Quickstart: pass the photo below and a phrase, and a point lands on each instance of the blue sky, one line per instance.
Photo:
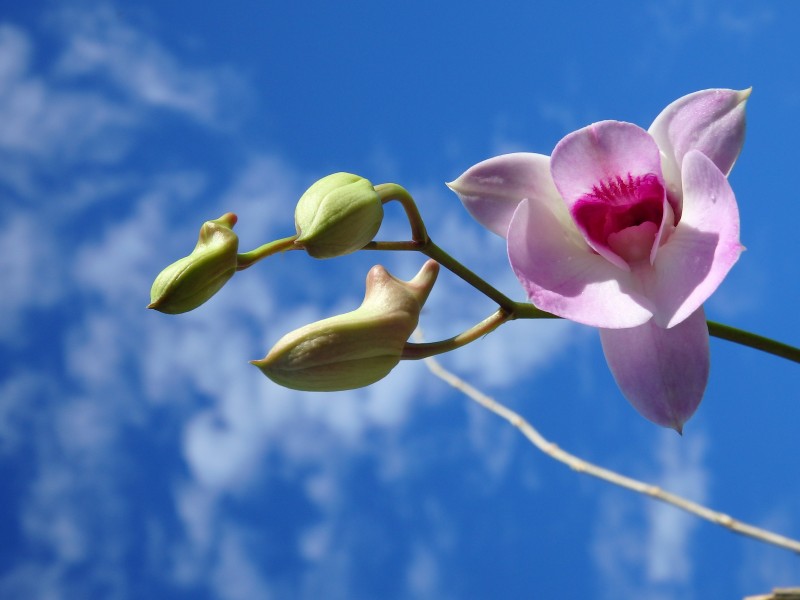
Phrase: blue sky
(142, 456)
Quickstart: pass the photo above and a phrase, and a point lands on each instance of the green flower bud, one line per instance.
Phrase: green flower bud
(339, 214)
(355, 349)
(189, 282)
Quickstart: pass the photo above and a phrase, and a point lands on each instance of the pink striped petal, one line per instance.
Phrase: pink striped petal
(609, 174)
(702, 249)
(662, 372)
(492, 189)
(601, 153)
(563, 276)
(711, 121)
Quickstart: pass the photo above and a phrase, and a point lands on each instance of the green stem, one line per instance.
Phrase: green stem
(759, 342)
(413, 351)
(511, 310)
(391, 191)
(248, 259)
(402, 246)
(443, 258)
(526, 310)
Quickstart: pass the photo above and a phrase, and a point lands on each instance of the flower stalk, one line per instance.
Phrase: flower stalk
(248, 259)
(388, 192)
(417, 351)
(511, 309)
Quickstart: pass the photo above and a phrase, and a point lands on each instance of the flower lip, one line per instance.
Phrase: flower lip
(609, 175)
(622, 216)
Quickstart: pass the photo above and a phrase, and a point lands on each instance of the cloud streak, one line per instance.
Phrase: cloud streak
(642, 547)
(99, 43)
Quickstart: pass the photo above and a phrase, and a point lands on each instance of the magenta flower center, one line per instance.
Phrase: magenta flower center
(622, 215)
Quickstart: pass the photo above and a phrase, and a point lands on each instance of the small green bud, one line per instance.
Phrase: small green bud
(339, 214)
(189, 282)
(355, 349)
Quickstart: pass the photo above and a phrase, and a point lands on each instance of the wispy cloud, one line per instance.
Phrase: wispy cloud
(764, 570)
(88, 104)
(28, 267)
(119, 390)
(98, 42)
(46, 122)
(677, 20)
(642, 548)
(236, 575)
(682, 472)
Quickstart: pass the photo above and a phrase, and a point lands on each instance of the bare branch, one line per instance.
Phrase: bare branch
(583, 466)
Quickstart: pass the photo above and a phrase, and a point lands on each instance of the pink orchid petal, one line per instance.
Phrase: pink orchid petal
(703, 247)
(563, 276)
(599, 153)
(492, 189)
(662, 372)
(711, 121)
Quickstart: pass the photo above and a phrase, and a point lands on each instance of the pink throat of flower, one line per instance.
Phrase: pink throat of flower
(623, 216)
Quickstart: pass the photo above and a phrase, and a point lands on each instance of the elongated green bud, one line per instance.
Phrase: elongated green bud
(189, 282)
(339, 214)
(358, 348)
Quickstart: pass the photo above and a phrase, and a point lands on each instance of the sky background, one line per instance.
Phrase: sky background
(141, 456)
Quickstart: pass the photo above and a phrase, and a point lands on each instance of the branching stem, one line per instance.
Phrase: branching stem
(421, 242)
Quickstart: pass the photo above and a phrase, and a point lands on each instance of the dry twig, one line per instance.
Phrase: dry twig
(583, 466)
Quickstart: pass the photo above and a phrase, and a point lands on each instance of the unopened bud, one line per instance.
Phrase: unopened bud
(358, 348)
(189, 282)
(339, 214)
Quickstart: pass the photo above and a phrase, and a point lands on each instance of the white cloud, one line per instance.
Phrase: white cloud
(213, 552)
(422, 575)
(767, 567)
(677, 20)
(643, 548)
(98, 42)
(493, 440)
(316, 541)
(515, 352)
(32, 581)
(29, 271)
(125, 369)
(222, 455)
(197, 506)
(682, 472)
(41, 120)
(65, 417)
(236, 575)
(561, 115)
(70, 111)
(263, 193)
(71, 513)
(746, 25)
(17, 395)
(122, 260)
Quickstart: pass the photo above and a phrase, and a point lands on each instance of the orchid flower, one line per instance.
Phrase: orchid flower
(629, 231)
